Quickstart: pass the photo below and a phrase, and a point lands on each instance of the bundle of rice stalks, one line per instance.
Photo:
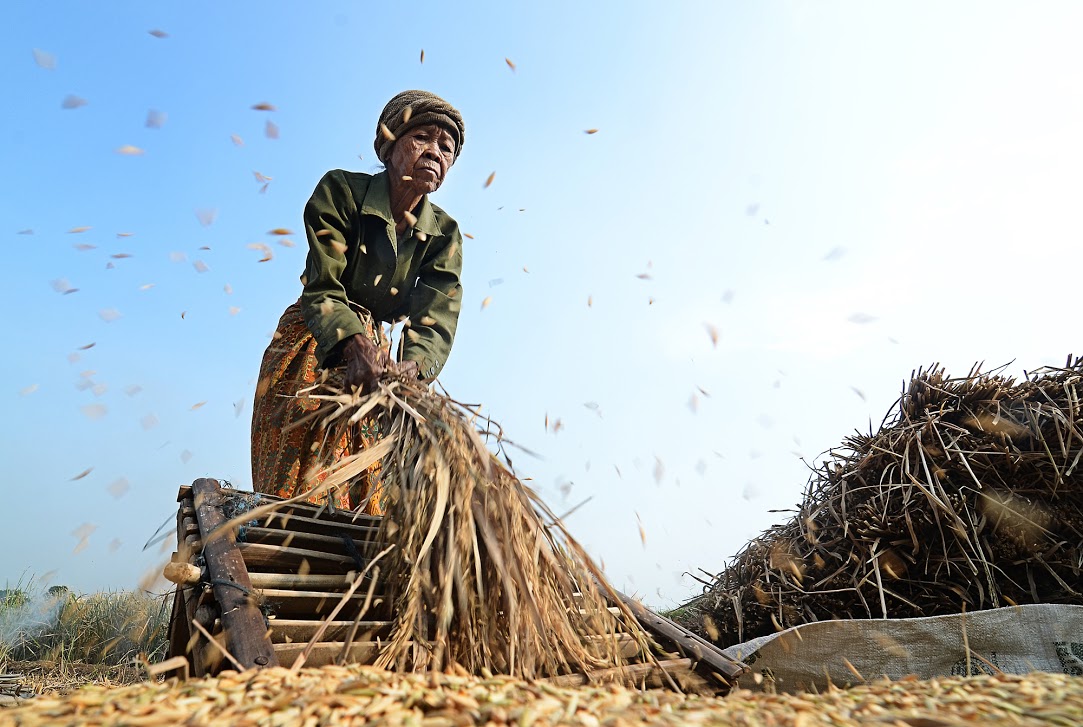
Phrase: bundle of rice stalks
(480, 573)
(967, 497)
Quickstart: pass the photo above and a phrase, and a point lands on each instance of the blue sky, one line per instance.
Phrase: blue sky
(787, 207)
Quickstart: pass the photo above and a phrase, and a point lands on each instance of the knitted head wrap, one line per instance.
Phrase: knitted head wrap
(410, 109)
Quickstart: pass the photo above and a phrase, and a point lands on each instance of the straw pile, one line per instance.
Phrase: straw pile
(355, 695)
(967, 497)
(473, 562)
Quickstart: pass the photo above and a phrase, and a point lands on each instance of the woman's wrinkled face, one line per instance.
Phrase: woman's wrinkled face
(424, 154)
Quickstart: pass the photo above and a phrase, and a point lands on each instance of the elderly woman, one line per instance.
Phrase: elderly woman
(379, 252)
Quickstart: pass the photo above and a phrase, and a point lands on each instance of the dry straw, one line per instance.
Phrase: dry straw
(480, 574)
(968, 496)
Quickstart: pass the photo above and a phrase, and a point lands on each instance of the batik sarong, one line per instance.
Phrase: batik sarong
(291, 450)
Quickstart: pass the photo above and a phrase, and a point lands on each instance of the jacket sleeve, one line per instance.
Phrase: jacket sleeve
(434, 306)
(329, 218)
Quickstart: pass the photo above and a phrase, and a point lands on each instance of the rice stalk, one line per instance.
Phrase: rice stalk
(969, 496)
(480, 574)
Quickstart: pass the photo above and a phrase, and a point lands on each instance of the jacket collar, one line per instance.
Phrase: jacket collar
(378, 202)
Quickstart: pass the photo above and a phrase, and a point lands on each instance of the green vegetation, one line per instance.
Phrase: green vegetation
(56, 625)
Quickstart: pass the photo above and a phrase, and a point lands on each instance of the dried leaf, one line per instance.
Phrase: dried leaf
(28, 390)
(270, 129)
(263, 107)
(489, 180)
(119, 487)
(422, 60)
(93, 411)
(155, 119)
(510, 64)
(44, 59)
(129, 150)
(485, 303)
(591, 131)
(206, 216)
(198, 405)
(386, 132)
(468, 236)
(109, 314)
(200, 266)
(237, 141)
(158, 33)
(83, 533)
(82, 474)
(77, 230)
(280, 231)
(712, 332)
(72, 101)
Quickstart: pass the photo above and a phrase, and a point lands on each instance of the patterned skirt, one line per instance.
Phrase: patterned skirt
(290, 449)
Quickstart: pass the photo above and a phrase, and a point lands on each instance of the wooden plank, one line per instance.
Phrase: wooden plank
(302, 523)
(293, 630)
(630, 675)
(291, 559)
(179, 629)
(324, 653)
(687, 642)
(310, 582)
(309, 604)
(187, 598)
(321, 513)
(303, 508)
(294, 539)
(246, 633)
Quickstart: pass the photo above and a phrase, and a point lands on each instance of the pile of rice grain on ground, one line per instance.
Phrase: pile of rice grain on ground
(970, 496)
(366, 695)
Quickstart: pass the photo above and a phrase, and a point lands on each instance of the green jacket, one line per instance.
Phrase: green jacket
(355, 258)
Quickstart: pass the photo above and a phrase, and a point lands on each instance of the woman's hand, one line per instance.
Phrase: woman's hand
(365, 362)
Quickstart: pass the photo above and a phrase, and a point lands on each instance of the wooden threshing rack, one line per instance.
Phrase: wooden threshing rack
(261, 594)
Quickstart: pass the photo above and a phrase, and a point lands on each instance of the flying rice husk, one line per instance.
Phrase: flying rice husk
(480, 573)
(968, 497)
